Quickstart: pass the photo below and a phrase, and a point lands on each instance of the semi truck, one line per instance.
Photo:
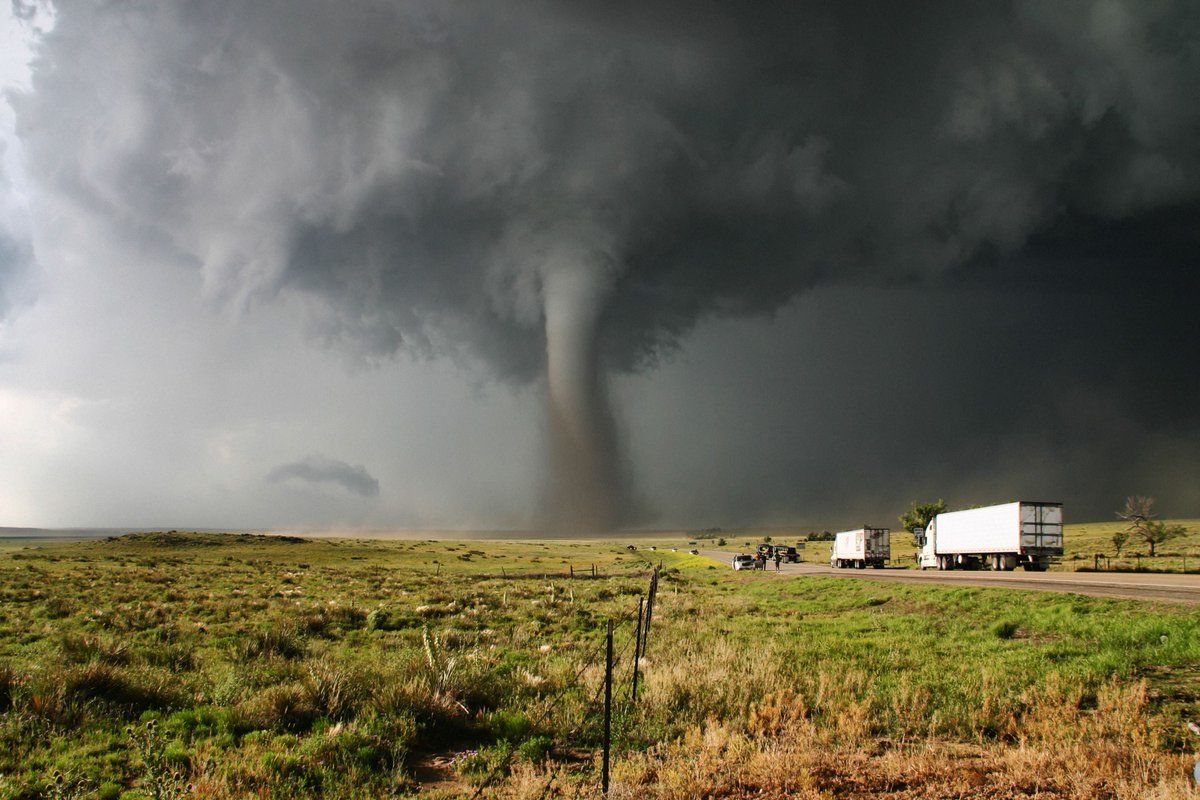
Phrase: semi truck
(861, 548)
(1002, 537)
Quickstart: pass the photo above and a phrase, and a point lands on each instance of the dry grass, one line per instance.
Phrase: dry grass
(1059, 750)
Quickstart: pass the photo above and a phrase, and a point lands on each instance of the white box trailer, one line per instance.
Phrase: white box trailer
(1000, 537)
(861, 548)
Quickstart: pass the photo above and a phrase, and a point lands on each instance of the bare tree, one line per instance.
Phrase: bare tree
(1138, 511)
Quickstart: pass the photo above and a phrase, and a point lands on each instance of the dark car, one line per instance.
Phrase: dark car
(788, 554)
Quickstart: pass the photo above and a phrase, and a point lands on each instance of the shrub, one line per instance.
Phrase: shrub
(283, 707)
(58, 608)
(512, 726)
(536, 748)
(1005, 629)
(164, 764)
(78, 648)
(120, 688)
(334, 690)
(274, 641)
(176, 656)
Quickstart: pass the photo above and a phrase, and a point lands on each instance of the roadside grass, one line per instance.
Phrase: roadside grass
(281, 667)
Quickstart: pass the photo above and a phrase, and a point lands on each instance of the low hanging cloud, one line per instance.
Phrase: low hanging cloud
(316, 469)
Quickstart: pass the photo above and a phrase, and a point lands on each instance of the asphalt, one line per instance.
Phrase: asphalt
(1131, 585)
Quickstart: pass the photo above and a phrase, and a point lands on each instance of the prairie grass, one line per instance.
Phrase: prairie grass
(269, 667)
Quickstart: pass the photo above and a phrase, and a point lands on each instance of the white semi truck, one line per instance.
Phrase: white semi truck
(861, 548)
(999, 537)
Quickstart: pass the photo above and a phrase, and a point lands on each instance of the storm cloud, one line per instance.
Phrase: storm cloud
(567, 190)
(317, 468)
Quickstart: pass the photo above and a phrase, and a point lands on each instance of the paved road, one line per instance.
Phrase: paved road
(1139, 586)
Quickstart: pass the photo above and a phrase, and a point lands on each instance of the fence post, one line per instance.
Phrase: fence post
(608, 664)
(637, 650)
(572, 568)
(653, 593)
(593, 570)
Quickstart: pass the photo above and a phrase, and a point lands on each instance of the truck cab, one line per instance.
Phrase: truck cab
(927, 542)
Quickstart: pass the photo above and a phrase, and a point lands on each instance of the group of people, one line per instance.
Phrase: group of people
(761, 558)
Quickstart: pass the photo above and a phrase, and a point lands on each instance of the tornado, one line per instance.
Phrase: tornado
(583, 487)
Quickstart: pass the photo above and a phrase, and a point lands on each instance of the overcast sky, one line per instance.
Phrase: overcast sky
(298, 264)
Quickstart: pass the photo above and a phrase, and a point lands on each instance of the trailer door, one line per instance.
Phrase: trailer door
(1042, 527)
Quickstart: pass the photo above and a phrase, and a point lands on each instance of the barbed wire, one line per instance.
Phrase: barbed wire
(590, 661)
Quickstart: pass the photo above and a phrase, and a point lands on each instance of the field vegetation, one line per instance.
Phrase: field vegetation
(178, 665)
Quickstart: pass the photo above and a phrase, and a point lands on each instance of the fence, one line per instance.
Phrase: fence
(639, 642)
(1173, 562)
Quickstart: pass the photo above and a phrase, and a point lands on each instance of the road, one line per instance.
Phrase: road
(1137, 586)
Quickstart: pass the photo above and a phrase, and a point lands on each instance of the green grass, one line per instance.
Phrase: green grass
(288, 668)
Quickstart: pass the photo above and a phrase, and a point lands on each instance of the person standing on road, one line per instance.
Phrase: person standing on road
(778, 558)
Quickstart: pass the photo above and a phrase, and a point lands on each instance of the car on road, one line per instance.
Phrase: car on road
(743, 561)
(694, 551)
(788, 555)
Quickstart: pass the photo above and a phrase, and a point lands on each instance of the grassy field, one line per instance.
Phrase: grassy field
(206, 665)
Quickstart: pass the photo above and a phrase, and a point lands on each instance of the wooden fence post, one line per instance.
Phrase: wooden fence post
(637, 650)
(653, 593)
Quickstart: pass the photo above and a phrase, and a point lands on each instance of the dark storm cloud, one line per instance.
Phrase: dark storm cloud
(466, 179)
(317, 468)
(423, 167)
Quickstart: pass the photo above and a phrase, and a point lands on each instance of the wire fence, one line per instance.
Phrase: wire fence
(595, 709)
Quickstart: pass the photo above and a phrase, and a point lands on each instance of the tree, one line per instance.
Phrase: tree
(1138, 510)
(921, 514)
(1155, 532)
(1139, 513)
(1119, 539)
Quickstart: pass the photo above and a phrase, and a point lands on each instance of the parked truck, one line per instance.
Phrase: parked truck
(1022, 533)
(861, 548)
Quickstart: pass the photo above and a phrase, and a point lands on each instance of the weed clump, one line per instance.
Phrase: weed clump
(272, 642)
(119, 688)
(282, 707)
(1005, 629)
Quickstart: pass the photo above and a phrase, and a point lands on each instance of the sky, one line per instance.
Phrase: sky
(442, 265)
